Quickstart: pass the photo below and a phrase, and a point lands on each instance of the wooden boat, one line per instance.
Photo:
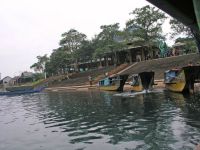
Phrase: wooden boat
(142, 81)
(20, 92)
(19, 88)
(115, 83)
(26, 86)
(182, 80)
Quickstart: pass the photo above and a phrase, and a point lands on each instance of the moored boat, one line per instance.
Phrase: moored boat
(183, 79)
(115, 83)
(19, 88)
(142, 81)
(20, 92)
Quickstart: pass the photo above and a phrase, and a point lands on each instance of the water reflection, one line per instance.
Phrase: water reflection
(97, 120)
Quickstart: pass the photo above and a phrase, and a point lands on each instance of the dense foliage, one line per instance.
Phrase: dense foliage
(179, 28)
(147, 24)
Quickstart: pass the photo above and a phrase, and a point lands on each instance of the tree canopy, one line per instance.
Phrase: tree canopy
(71, 40)
(179, 28)
(106, 40)
(39, 66)
(146, 23)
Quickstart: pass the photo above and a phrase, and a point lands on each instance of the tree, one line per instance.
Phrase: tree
(107, 41)
(58, 61)
(184, 34)
(40, 65)
(36, 67)
(85, 51)
(42, 60)
(190, 45)
(179, 28)
(71, 40)
(146, 24)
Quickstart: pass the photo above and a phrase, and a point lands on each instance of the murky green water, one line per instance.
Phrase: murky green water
(98, 120)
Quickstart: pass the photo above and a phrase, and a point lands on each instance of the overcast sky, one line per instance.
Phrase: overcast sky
(29, 28)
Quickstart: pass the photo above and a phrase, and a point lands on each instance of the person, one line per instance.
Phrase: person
(190, 63)
(106, 74)
(90, 80)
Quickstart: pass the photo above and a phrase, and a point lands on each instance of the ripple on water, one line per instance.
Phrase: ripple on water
(98, 121)
(86, 139)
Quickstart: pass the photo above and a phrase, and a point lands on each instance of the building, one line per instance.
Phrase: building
(26, 77)
(6, 81)
(14, 81)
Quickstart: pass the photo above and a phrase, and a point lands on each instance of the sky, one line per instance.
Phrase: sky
(29, 28)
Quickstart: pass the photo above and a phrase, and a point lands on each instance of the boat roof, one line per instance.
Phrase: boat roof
(174, 69)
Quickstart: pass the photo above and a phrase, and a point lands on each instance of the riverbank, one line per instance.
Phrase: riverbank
(127, 87)
(79, 81)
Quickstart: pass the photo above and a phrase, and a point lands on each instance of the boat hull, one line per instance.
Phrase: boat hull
(21, 92)
(145, 81)
(19, 88)
(109, 88)
(137, 88)
(184, 80)
(175, 87)
(115, 84)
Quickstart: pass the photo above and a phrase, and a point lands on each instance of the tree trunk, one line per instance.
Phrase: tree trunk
(130, 57)
(76, 66)
(100, 63)
(142, 55)
(106, 59)
(115, 58)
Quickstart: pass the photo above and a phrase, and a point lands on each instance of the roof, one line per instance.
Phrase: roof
(6, 77)
(172, 70)
(178, 44)
(27, 74)
(15, 78)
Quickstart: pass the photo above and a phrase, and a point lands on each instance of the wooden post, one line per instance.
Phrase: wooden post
(106, 58)
(100, 63)
(142, 54)
(130, 56)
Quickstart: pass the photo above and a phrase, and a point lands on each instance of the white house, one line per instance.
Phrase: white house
(5, 81)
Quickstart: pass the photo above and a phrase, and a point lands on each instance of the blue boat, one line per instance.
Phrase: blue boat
(20, 92)
(115, 83)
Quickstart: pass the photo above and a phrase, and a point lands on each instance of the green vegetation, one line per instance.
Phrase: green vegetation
(179, 28)
(190, 45)
(144, 28)
(40, 65)
(147, 22)
(188, 39)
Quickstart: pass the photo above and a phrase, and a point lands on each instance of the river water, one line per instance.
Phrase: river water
(99, 121)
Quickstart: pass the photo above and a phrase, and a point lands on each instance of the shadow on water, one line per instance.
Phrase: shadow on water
(147, 121)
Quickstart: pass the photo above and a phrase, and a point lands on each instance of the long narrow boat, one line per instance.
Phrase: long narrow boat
(20, 92)
(142, 81)
(115, 83)
(182, 80)
(19, 88)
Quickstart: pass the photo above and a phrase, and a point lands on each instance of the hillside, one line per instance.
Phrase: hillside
(81, 78)
(159, 66)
